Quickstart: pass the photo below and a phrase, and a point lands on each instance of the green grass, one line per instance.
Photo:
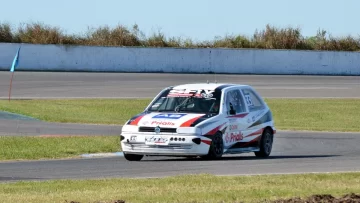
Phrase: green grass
(316, 114)
(188, 188)
(24, 148)
(99, 111)
(289, 114)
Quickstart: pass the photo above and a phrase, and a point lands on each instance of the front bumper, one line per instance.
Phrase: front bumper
(167, 145)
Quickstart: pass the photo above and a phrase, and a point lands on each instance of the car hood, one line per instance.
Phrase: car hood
(171, 120)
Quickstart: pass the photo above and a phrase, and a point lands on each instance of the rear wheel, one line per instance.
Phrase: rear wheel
(133, 157)
(216, 147)
(266, 143)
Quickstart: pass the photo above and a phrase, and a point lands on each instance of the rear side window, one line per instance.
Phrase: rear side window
(252, 100)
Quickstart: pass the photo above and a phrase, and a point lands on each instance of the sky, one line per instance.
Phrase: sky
(195, 19)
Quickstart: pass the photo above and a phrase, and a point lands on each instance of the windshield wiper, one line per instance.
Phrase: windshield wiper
(177, 108)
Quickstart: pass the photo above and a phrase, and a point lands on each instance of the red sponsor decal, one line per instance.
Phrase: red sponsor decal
(233, 127)
(136, 121)
(206, 141)
(189, 122)
(258, 132)
(162, 123)
(213, 131)
(183, 95)
(234, 137)
(251, 141)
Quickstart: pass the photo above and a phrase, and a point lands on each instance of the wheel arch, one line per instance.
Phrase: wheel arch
(214, 133)
(269, 128)
(262, 134)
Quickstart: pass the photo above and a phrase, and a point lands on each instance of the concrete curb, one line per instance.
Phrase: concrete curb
(14, 116)
(115, 154)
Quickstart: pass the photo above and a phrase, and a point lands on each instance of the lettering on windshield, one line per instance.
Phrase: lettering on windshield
(204, 95)
(186, 100)
(195, 93)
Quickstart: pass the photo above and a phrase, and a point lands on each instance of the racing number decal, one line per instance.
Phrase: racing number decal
(248, 100)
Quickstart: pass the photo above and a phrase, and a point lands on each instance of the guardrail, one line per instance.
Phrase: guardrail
(34, 57)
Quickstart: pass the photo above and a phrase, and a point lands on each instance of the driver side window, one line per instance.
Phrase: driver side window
(235, 101)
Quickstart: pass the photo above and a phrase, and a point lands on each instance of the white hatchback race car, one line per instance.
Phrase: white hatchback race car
(206, 120)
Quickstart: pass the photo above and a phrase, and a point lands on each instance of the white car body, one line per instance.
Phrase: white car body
(194, 131)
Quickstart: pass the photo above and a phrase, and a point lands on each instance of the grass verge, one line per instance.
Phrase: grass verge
(187, 188)
(316, 114)
(289, 114)
(24, 148)
(98, 111)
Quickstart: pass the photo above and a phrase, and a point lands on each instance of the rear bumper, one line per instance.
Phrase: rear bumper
(175, 145)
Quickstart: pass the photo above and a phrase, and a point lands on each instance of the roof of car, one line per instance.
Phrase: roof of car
(207, 86)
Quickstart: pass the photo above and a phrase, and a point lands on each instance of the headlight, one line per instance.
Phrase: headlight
(130, 128)
(189, 130)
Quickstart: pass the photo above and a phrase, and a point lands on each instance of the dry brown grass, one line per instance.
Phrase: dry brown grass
(268, 38)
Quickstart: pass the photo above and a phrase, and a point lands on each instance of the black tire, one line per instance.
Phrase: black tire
(216, 147)
(133, 157)
(266, 143)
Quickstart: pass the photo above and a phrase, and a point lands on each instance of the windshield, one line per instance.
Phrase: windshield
(197, 101)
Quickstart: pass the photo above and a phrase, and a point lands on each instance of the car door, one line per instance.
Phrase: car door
(257, 110)
(234, 100)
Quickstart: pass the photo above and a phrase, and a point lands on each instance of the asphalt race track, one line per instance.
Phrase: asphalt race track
(293, 152)
(115, 85)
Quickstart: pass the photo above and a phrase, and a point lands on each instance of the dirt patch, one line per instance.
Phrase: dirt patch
(325, 198)
(116, 201)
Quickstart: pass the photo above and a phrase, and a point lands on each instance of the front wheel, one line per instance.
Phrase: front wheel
(266, 143)
(216, 147)
(133, 157)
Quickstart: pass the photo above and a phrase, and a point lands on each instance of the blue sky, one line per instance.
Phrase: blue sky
(197, 19)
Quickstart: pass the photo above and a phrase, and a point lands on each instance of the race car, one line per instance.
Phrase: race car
(204, 120)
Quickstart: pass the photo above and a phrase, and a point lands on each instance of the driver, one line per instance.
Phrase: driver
(234, 99)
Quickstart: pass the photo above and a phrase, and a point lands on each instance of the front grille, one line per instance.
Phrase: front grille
(152, 129)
